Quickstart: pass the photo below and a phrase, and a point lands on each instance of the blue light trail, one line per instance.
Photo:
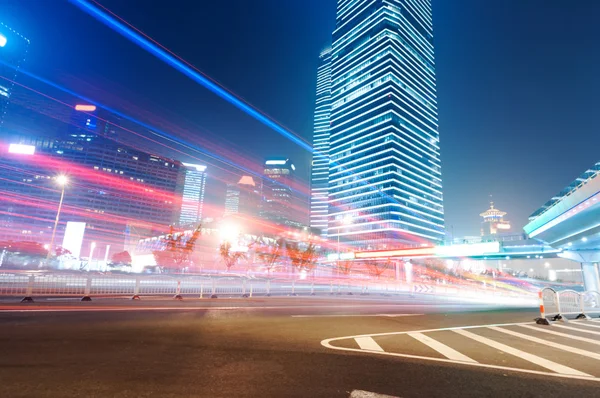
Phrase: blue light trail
(186, 70)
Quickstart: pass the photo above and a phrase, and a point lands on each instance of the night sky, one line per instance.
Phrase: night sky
(518, 84)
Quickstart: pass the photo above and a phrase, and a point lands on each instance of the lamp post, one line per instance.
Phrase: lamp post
(347, 220)
(62, 181)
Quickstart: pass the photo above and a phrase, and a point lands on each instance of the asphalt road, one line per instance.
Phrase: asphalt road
(297, 347)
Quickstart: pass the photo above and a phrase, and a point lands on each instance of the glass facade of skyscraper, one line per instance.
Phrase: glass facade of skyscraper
(191, 189)
(278, 204)
(13, 52)
(320, 164)
(385, 169)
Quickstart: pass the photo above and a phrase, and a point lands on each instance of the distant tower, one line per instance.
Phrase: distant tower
(191, 185)
(243, 198)
(493, 221)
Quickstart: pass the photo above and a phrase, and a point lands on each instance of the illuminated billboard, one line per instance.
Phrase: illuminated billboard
(21, 149)
(73, 239)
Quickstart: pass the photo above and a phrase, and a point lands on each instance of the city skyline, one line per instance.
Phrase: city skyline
(504, 171)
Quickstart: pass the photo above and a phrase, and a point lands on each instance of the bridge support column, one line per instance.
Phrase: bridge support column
(591, 279)
(589, 260)
(408, 271)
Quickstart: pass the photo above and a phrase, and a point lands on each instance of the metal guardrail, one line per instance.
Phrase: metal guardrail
(555, 306)
(28, 285)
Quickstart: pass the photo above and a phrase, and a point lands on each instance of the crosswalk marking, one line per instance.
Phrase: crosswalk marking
(443, 349)
(569, 336)
(545, 363)
(548, 343)
(367, 343)
(587, 324)
(534, 338)
(577, 329)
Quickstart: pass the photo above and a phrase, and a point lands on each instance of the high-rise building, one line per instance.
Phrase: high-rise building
(319, 185)
(190, 188)
(112, 188)
(278, 204)
(13, 52)
(243, 198)
(385, 182)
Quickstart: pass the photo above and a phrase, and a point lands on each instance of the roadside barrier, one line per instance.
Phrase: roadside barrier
(30, 284)
(556, 306)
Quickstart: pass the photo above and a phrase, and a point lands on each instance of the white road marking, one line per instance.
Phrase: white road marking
(443, 349)
(367, 343)
(569, 336)
(587, 324)
(577, 329)
(327, 343)
(545, 363)
(368, 394)
(549, 343)
(352, 315)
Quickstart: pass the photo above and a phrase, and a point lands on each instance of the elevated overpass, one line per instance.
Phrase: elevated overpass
(570, 223)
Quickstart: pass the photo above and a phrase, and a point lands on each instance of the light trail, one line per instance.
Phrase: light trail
(152, 46)
(163, 55)
(296, 187)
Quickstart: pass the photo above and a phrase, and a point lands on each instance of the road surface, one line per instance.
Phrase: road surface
(290, 347)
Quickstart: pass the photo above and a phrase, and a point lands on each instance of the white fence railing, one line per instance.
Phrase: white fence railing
(28, 285)
(556, 306)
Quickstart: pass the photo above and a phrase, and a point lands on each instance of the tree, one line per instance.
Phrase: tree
(230, 257)
(122, 258)
(345, 267)
(302, 259)
(377, 268)
(270, 253)
(177, 253)
(61, 251)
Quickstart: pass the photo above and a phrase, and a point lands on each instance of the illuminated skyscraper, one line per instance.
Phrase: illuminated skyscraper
(13, 52)
(385, 182)
(243, 198)
(191, 188)
(320, 164)
(278, 200)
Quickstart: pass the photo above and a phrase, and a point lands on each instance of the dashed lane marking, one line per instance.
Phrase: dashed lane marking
(368, 394)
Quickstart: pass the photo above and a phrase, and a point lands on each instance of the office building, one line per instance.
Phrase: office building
(278, 205)
(13, 53)
(113, 188)
(385, 181)
(190, 188)
(243, 198)
(319, 184)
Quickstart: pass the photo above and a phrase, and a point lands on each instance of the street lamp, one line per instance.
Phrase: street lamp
(347, 220)
(62, 182)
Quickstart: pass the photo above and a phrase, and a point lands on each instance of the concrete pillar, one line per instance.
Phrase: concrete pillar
(591, 279)
(408, 271)
(589, 260)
